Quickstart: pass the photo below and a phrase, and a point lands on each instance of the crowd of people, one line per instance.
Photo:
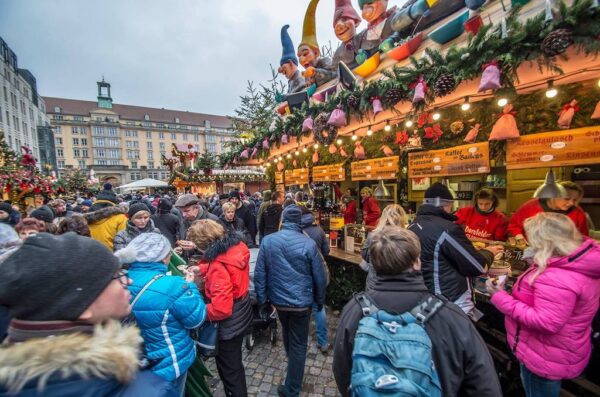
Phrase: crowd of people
(79, 273)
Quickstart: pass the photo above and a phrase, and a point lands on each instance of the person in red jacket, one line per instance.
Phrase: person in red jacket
(348, 204)
(566, 205)
(370, 207)
(482, 220)
(225, 269)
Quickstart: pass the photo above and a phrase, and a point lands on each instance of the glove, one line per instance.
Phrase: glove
(279, 97)
(386, 45)
(319, 308)
(263, 311)
(361, 56)
(311, 90)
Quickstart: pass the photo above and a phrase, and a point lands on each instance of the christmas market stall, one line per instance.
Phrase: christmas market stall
(503, 95)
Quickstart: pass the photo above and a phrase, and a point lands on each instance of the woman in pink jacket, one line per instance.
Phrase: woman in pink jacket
(549, 314)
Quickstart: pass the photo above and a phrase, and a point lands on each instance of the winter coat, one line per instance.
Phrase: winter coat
(270, 220)
(448, 258)
(103, 364)
(289, 270)
(202, 214)
(460, 355)
(131, 231)
(548, 324)
(492, 226)
(246, 214)
(260, 211)
(165, 313)
(237, 225)
(367, 266)
(105, 223)
(371, 211)
(534, 207)
(315, 232)
(169, 226)
(226, 271)
(349, 213)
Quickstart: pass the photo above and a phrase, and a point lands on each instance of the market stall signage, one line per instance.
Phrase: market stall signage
(554, 149)
(374, 169)
(279, 178)
(329, 173)
(297, 176)
(458, 160)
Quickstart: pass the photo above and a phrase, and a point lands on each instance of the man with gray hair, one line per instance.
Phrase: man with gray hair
(191, 210)
(448, 257)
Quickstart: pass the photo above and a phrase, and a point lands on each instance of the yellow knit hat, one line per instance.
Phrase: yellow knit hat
(309, 29)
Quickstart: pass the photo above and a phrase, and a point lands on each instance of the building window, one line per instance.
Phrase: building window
(99, 142)
(56, 109)
(196, 138)
(57, 117)
(112, 131)
(84, 141)
(99, 153)
(100, 162)
(75, 141)
(161, 135)
(134, 164)
(177, 120)
(78, 118)
(82, 164)
(148, 134)
(114, 153)
(173, 137)
(197, 147)
(114, 162)
(133, 144)
(211, 139)
(161, 145)
(150, 155)
(149, 145)
(61, 164)
(185, 137)
(133, 154)
(84, 153)
(98, 130)
(60, 153)
(211, 147)
(207, 125)
(113, 142)
(150, 164)
(76, 153)
(58, 141)
(146, 117)
(131, 133)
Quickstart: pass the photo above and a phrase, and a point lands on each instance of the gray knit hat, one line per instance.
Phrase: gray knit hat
(147, 247)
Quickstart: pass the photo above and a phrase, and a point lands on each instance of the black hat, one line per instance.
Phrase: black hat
(438, 194)
(44, 213)
(55, 277)
(135, 208)
(107, 194)
(234, 194)
(6, 207)
(164, 205)
(292, 214)
(223, 197)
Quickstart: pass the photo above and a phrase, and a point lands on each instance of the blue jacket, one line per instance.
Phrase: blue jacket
(315, 232)
(289, 269)
(165, 312)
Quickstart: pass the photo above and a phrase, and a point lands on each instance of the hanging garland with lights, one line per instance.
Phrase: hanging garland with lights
(493, 51)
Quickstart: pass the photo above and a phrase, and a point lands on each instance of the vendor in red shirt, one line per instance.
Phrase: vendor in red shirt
(370, 207)
(349, 205)
(482, 220)
(565, 204)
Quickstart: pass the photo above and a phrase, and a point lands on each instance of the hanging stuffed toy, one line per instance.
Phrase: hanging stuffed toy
(265, 144)
(490, 79)
(343, 152)
(387, 151)
(596, 114)
(401, 138)
(376, 103)
(332, 148)
(337, 118)
(307, 124)
(315, 157)
(280, 166)
(284, 139)
(506, 126)
(359, 151)
(245, 153)
(434, 133)
(420, 87)
(567, 113)
(472, 134)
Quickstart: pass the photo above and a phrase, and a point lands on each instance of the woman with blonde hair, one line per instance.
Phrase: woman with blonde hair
(552, 305)
(392, 215)
(225, 268)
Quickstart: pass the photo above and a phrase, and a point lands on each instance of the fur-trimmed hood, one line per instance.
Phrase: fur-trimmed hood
(112, 351)
(223, 245)
(102, 214)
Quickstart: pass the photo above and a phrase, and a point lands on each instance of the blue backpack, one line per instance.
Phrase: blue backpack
(392, 353)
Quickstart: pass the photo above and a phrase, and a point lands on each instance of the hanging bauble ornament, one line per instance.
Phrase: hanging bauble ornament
(490, 79)
(337, 118)
(307, 124)
(280, 166)
(354, 101)
(557, 42)
(566, 114)
(392, 96)
(332, 148)
(472, 134)
(457, 127)
(444, 85)
(359, 151)
(506, 126)
(420, 88)
(376, 103)
(265, 144)
(284, 139)
(343, 152)
(387, 151)
(596, 114)
(315, 157)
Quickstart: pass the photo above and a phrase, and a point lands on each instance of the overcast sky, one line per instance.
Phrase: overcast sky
(194, 55)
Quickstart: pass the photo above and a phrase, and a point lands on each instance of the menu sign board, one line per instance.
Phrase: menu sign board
(458, 160)
(554, 149)
(298, 176)
(374, 169)
(329, 173)
(278, 178)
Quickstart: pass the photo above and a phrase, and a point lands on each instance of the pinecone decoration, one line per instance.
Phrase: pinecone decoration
(444, 85)
(354, 101)
(557, 42)
(393, 96)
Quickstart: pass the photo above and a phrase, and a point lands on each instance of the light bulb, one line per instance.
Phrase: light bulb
(275, 161)
(551, 92)
(316, 146)
(354, 137)
(408, 123)
(436, 116)
(289, 156)
(268, 164)
(370, 131)
(466, 105)
(297, 153)
(387, 127)
(502, 102)
(339, 141)
(598, 82)
(280, 158)
(304, 150)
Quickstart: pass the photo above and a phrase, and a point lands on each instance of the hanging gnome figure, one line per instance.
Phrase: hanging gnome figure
(345, 21)
(288, 65)
(317, 70)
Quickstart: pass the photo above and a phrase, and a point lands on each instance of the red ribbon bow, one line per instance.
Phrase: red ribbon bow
(567, 107)
(493, 62)
(420, 80)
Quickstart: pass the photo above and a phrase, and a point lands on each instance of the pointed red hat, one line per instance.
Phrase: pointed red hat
(344, 9)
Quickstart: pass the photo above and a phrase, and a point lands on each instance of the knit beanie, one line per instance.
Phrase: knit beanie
(438, 195)
(87, 203)
(55, 277)
(135, 208)
(6, 207)
(164, 206)
(147, 247)
(361, 3)
(288, 53)
(344, 9)
(292, 214)
(107, 194)
(235, 194)
(309, 28)
(44, 213)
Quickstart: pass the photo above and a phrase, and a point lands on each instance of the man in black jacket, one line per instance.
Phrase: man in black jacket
(448, 258)
(244, 212)
(168, 224)
(461, 358)
(271, 217)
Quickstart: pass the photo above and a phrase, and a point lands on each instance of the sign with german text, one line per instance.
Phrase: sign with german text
(297, 176)
(458, 160)
(329, 173)
(279, 178)
(375, 169)
(554, 149)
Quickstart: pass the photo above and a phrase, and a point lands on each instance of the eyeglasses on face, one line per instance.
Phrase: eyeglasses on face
(122, 276)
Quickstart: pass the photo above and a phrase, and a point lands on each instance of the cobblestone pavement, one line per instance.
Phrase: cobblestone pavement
(266, 365)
